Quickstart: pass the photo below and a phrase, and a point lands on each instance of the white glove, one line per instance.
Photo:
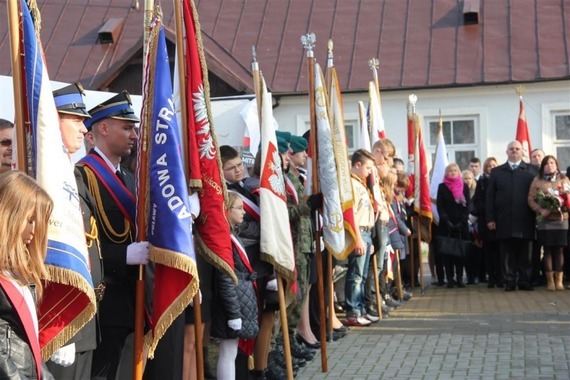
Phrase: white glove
(389, 249)
(194, 205)
(192, 300)
(272, 285)
(65, 356)
(472, 219)
(235, 324)
(137, 253)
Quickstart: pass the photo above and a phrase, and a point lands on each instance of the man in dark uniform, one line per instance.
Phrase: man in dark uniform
(73, 361)
(509, 214)
(113, 189)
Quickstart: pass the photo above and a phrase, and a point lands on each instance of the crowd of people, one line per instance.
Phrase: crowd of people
(516, 239)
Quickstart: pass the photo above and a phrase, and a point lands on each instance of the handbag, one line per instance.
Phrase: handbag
(452, 246)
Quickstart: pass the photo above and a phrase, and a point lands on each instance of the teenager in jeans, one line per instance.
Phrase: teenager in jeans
(358, 260)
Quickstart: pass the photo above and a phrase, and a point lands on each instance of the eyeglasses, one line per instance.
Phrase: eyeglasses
(6, 142)
(234, 168)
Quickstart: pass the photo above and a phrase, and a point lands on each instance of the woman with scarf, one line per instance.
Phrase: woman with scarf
(453, 208)
(552, 226)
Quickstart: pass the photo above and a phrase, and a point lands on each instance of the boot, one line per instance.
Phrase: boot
(259, 374)
(550, 281)
(559, 280)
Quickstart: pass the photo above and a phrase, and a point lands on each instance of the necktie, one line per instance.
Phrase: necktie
(515, 166)
(120, 176)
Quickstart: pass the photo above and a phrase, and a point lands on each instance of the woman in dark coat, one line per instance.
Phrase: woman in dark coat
(453, 207)
(234, 307)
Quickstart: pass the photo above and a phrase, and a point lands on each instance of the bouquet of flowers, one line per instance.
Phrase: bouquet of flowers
(554, 200)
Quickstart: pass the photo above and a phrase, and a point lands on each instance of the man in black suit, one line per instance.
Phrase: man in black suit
(508, 213)
(113, 188)
(73, 361)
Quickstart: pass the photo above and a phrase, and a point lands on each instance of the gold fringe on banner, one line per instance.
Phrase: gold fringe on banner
(181, 262)
(67, 277)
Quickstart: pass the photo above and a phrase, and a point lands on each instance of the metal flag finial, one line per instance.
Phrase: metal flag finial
(308, 41)
(253, 53)
(412, 99)
(520, 90)
(373, 63)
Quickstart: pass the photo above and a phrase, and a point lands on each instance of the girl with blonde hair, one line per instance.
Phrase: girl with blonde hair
(25, 209)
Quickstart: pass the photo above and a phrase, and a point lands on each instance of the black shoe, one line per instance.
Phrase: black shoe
(407, 296)
(301, 351)
(450, 285)
(440, 283)
(526, 287)
(460, 284)
(258, 374)
(510, 288)
(336, 336)
(275, 373)
(300, 339)
(342, 329)
(490, 285)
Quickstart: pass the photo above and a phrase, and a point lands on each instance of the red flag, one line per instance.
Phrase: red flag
(422, 202)
(213, 238)
(522, 133)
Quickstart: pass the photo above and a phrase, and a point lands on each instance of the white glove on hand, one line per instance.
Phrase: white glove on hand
(65, 356)
(235, 324)
(472, 219)
(389, 249)
(137, 253)
(192, 300)
(272, 285)
(194, 205)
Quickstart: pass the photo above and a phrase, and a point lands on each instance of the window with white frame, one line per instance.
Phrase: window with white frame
(561, 138)
(461, 135)
(352, 138)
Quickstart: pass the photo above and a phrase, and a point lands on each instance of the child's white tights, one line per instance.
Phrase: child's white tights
(227, 360)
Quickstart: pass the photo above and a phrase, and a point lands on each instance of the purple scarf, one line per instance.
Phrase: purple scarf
(455, 185)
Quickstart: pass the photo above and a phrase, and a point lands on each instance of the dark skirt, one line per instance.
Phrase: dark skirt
(553, 233)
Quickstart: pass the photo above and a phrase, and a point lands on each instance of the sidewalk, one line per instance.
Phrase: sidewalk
(471, 333)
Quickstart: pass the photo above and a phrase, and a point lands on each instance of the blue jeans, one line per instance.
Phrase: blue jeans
(355, 302)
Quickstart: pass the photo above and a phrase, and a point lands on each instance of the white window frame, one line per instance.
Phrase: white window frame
(550, 143)
(453, 148)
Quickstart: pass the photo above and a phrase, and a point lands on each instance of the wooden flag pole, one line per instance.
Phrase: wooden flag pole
(284, 327)
(18, 84)
(256, 82)
(412, 254)
(138, 352)
(180, 60)
(308, 42)
(329, 310)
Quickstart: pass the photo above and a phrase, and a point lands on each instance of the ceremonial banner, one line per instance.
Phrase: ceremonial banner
(342, 164)
(376, 119)
(422, 202)
(523, 136)
(276, 242)
(213, 236)
(364, 132)
(169, 222)
(69, 300)
(438, 172)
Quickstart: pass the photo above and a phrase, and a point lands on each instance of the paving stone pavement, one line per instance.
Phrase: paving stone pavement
(472, 333)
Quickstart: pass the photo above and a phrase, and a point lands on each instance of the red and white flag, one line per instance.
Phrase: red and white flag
(213, 237)
(276, 242)
(522, 133)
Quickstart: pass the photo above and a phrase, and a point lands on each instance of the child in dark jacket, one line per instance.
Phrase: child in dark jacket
(235, 307)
